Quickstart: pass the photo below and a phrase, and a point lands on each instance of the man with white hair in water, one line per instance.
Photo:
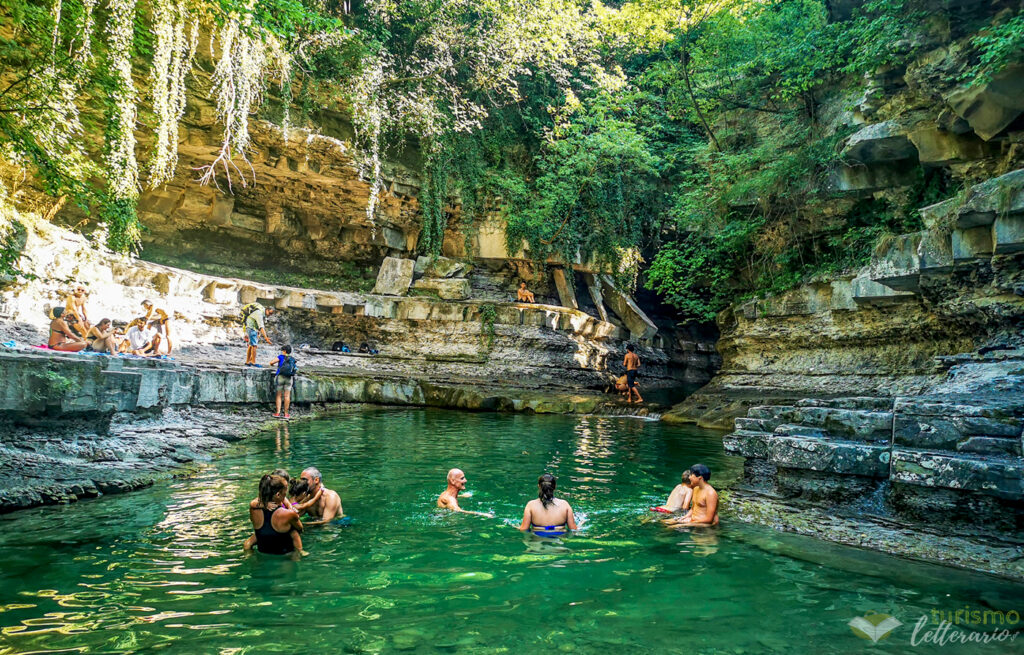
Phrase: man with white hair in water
(328, 507)
(449, 498)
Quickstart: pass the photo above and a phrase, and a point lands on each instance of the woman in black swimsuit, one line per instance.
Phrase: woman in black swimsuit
(274, 524)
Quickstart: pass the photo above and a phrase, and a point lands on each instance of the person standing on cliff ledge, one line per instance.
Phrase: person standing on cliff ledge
(632, 364)
(254, 316)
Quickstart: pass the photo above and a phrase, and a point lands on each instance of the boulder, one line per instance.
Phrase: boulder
(1008, 233)
(990, 108)
(940, 148)
(881, 142)
(565, 293)
(972, 244)
(394, 277)
(640, 327)
(866, 290)
(877, 176)
(899, 265)
(446, 288)
(594, 288)
(438, 267)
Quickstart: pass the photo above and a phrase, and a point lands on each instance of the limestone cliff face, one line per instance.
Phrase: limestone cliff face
(302, 206)
(897, 386)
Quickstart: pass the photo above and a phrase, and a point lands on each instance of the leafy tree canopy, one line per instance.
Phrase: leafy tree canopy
(688, 132)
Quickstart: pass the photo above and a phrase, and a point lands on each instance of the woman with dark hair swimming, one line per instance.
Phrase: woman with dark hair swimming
(548, 516)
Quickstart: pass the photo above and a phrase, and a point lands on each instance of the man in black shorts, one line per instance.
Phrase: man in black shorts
(632, 364)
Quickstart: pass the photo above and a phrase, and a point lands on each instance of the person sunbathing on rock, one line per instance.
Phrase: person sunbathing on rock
(101, 338)
(705, 500)
(61, 336)
(449, 498)
(523, 294)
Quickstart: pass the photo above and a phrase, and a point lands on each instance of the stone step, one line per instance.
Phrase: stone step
(991, 475)
(748, 424)
(953, 425)
(791, 430)
(829, 455)
(747, 443)
(869, 403)
(857, 424)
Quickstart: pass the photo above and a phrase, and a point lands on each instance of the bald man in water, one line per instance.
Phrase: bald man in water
(449, 498)
(328, 507)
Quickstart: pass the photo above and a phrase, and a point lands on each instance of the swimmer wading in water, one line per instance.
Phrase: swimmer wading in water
(548, 516)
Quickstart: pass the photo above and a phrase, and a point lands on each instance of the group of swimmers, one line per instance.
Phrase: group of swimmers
(72, 331)
(277, 512)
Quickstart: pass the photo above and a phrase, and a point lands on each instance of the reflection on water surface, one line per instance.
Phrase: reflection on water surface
(162, 569)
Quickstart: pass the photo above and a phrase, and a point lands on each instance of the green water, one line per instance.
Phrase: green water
(163, 570)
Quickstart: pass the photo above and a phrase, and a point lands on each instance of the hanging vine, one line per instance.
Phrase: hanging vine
(122, 167)
(172, 59)
(238, 81)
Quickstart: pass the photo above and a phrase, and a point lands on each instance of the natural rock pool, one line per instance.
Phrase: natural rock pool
(163, 569)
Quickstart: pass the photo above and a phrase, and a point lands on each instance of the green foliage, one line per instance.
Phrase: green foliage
(124, 233)
(13, 235)
(595, 191)
(50, 386)
(703, 272)
(997, 47)
(488, 317)
(690, 131)
(695, 273)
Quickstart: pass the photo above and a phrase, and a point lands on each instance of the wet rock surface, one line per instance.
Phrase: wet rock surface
(987, 550)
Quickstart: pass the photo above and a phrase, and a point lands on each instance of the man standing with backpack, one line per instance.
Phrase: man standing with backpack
(253, 317)
(284, 379)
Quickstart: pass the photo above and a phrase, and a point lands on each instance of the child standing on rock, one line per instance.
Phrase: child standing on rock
(284, 379)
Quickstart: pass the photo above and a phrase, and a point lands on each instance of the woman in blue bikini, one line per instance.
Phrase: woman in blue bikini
(548, 516)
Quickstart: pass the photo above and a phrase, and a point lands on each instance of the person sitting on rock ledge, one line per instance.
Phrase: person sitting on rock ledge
(140, 337)
(705, 500)
(449, 498)
(523, 294)
(101, 338)
(61, 336)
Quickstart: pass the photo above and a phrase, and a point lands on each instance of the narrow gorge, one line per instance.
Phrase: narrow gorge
(805, 216)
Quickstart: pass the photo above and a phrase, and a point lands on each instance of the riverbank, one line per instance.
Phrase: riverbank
(77, 426)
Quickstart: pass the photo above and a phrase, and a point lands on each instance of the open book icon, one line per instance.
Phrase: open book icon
(871, 631)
